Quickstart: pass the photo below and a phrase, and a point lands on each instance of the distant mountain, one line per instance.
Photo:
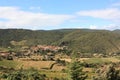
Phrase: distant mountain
(83, 40)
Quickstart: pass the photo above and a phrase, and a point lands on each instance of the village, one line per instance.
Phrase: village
(52, 60)
(38, 53)
(45, 53)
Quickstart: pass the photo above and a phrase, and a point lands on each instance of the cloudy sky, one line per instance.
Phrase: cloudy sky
(59, 14)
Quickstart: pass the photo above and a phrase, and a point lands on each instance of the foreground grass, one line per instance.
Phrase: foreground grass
(16, 64)
(52, 74)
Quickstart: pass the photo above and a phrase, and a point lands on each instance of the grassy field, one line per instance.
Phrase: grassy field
(9, 64)
(53, 74)
(56, 71)
(96, 60)
(36, 64)
(102, 60)
(26, 64)
(46, 64)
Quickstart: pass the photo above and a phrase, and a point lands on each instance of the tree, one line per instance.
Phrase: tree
(75, 70)
(107, 73)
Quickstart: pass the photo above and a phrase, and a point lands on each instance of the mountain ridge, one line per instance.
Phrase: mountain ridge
(82, 40)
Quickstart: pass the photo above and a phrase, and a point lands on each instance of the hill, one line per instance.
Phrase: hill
(93, 41)
(32, 37)
(83, 40)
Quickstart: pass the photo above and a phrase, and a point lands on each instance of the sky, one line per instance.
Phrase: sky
(60, 14)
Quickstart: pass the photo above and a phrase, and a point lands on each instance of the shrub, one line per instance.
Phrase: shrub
(75, 71)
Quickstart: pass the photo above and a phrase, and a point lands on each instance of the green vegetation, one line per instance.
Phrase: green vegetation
(75, 71)
(84, 41)
(23, 75)
(32, 37)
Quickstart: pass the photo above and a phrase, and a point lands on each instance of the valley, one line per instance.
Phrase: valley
(50, 54)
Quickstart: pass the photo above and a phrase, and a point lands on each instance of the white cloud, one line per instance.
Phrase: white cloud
(16, 18)
(93, 27)
(109, 14)
(107, 27)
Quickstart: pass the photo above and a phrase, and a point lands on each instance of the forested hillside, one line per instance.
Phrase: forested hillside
(83, 40)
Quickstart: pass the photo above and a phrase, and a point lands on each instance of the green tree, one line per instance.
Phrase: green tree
(75, 70)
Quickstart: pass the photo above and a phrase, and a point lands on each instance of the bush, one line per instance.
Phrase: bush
(75, 71)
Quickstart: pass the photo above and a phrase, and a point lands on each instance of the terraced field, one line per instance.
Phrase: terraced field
(46, 64)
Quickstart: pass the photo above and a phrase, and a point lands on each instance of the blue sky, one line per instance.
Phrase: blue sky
(59, 14)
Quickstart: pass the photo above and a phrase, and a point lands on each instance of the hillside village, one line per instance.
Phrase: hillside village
(46, 53)
(39, 52)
